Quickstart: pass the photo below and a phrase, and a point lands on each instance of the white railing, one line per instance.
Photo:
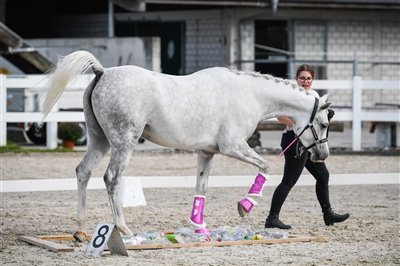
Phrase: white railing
(37, 82)
(357, 115)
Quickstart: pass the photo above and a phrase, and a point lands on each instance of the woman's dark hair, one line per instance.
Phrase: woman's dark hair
(305, 67)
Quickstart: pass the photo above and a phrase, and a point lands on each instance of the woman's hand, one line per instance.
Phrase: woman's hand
(285, 120)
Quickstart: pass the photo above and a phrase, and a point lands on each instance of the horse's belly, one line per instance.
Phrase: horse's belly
(180, 139)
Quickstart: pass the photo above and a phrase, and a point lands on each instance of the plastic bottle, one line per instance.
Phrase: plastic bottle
(188, 235)
(133, 240)
(264, 234)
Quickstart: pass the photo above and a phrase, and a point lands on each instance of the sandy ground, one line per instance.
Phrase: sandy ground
(369, 237)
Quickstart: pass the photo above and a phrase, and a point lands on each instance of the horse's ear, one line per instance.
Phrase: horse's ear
(324, 98)
(324, 106)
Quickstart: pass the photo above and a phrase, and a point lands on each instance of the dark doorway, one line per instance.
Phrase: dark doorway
(272, 34)
(171, 35)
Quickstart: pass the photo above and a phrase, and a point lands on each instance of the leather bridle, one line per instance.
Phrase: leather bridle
(302, 148)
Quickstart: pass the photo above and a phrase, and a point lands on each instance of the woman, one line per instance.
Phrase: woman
(294, 166)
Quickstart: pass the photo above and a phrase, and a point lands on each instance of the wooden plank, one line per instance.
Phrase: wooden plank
(43, 241)
(66, 237)
(291, 239)
(45, 244)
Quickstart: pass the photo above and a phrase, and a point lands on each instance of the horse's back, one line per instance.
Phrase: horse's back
(178, 111)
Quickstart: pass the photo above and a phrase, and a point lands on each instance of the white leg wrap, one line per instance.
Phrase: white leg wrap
(251, 200)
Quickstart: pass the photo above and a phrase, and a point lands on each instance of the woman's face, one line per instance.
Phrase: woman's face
(305, 80)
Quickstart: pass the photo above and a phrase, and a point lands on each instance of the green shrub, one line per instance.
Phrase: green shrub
(69, 131)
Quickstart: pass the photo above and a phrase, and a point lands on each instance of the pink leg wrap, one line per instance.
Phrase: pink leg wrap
(247, 203)
(258, 185)
(197, 212)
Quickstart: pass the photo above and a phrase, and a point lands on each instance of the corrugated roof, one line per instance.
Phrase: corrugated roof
(267, 2)
(135, 5)
(20, 53)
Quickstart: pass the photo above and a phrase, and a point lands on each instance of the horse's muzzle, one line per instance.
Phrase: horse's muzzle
(319, 153)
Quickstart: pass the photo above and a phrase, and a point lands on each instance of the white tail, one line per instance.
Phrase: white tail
(67, 70)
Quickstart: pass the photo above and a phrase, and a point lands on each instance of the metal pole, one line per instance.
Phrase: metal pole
(3, 110)
(355, 66)
(110, 18)
(357, 99)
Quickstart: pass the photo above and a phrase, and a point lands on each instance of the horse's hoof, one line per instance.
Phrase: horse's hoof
(241, 210)
(80, 236)
(202, 231)
(245, 206)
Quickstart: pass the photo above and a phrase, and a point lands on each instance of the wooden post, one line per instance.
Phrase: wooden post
(51, 135)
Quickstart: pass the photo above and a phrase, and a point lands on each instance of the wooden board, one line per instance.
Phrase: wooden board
(61, 237)
(291, 239)
(45, 244)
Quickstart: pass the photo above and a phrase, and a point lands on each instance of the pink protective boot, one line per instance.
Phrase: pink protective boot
(247, 203)
(196, 218)
(257, 187)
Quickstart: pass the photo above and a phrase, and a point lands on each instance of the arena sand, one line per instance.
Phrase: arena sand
(369, 237)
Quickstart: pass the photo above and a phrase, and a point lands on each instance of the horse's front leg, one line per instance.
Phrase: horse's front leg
(246, 204)
(244, 153)
(204, 160)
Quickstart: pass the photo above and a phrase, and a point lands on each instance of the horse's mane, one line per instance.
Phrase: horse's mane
(255, 74)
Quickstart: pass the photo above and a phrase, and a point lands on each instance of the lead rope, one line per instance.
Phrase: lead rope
(282, 152)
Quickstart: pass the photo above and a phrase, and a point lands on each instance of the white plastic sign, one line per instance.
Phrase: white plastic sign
(106, 234)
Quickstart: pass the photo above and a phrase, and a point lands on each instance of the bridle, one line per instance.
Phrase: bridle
(299, 147)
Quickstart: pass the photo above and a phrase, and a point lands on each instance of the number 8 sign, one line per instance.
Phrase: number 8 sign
(101, 235)
(106, 234)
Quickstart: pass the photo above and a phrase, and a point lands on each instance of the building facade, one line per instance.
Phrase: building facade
(339, 38)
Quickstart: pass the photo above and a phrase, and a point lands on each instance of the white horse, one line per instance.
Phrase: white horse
(212, 111)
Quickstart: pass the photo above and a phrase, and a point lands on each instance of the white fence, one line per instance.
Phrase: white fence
(36, 82)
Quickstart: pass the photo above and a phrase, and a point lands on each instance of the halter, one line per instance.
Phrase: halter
(301, 149)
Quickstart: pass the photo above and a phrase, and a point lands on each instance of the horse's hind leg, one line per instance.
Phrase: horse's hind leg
(244, 153)
(96, 151)
(120, 157)
(204, 160)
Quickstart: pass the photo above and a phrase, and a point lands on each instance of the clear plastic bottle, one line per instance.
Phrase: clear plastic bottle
(264, 234)
(133, 240)
(188, 235)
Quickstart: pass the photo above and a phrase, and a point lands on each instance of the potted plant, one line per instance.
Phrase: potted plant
(69, 133)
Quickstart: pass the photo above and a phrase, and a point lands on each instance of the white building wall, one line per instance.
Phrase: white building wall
(390, 47)
(353, 40)
(349, 40)
(205, 44)
(390, 51)
(247, 51)
(310, 39)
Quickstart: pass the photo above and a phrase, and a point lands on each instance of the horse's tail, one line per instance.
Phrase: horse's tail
(67, 70)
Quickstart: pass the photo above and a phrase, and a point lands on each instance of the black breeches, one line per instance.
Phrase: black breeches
(292, 171)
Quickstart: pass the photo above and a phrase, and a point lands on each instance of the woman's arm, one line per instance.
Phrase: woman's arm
(285, 120)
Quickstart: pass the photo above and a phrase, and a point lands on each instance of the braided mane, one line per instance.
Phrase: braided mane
(269, 77)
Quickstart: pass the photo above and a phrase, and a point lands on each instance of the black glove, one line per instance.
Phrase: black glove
(331, 113)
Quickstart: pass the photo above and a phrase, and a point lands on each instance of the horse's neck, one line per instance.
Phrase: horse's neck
(286, 101)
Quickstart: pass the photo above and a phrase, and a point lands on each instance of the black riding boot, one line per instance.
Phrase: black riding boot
(273, 221)
(330, 217)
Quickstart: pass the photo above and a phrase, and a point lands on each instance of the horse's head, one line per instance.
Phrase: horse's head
(312, 130)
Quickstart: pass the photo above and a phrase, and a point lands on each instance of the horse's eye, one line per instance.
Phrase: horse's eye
(325, 125)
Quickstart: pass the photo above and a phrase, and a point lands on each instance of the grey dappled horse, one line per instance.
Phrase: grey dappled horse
(211, 111)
